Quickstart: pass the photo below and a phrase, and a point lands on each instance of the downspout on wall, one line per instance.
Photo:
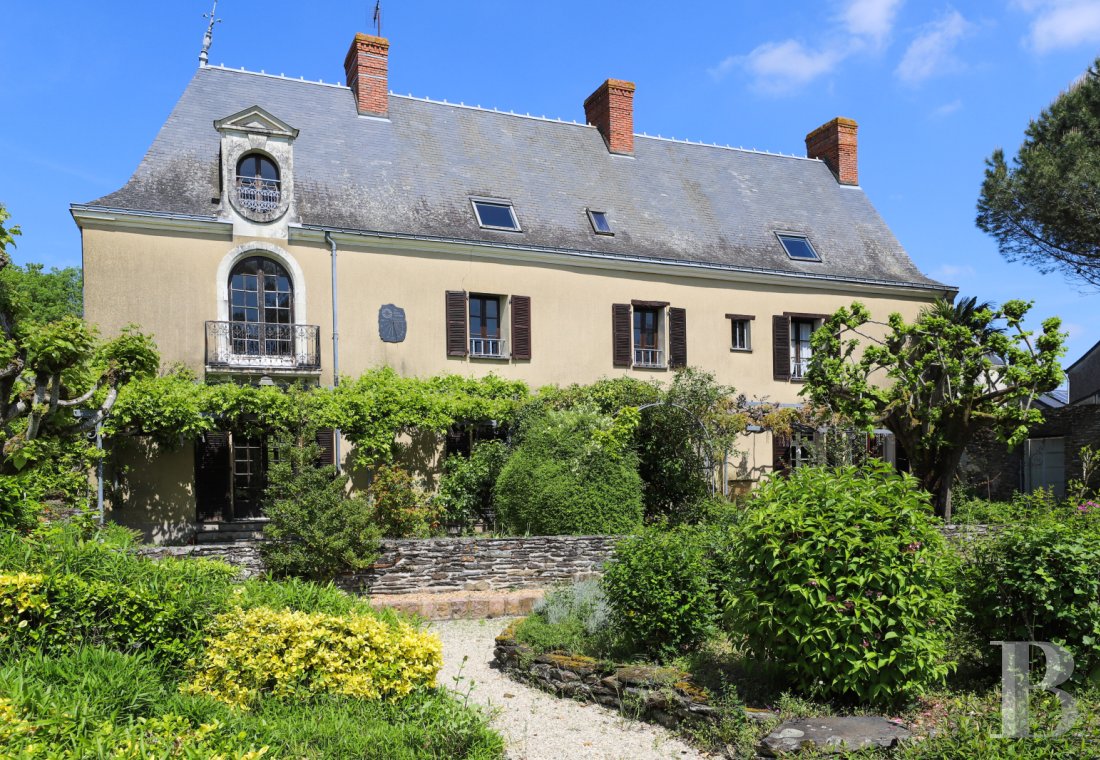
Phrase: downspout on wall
(335, 348)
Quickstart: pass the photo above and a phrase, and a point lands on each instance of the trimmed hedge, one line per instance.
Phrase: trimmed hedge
(572, 472)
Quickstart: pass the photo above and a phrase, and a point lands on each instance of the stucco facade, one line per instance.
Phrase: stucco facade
(692, 235)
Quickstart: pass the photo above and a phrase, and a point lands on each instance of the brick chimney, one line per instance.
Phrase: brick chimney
(367, 67)
(610, 109)
(835, 144)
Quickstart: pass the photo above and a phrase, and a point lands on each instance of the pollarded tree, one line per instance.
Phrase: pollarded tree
(935, 382)
(1045, 209)
(48, 371)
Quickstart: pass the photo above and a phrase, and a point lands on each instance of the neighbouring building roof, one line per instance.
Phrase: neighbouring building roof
(1084, 375)
(414, 173)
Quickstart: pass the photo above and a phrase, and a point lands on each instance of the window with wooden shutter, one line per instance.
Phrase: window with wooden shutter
(326, 439)
(456, 323)
(521, 327)
(781, 347)
(677, 337)
(620, 334)
(212, 476)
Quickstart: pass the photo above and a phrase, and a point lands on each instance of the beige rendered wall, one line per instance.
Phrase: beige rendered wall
(155, 492)
(167, 284)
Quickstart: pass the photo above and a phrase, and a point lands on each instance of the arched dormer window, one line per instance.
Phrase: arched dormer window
(258, 183)
(261, 308)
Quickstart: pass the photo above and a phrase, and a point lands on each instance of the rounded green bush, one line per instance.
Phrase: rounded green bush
(1039, 581)
(842, 578)
(658, 586)
(572, 472)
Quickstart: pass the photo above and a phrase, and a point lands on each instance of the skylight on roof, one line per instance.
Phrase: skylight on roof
(601, 225)
(495, 215)
(798, 247)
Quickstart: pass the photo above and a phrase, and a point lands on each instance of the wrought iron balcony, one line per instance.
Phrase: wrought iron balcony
(652, 358)
(258, 194)
(263, 347)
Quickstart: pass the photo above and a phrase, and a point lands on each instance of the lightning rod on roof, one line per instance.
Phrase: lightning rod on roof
(378, 17)
(204, 54)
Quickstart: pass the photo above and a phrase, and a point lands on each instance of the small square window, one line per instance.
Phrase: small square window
(496, 215)
(601, 225)
(798, 247)
(740, 336)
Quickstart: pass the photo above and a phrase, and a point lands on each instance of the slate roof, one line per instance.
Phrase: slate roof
(415, 173)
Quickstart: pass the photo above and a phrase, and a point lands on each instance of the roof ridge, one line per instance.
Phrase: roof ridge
(552, 120)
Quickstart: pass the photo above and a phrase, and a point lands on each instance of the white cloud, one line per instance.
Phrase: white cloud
(871, 19)
(946, 109)
(1060, 24)
(781, 66)
(933, 51)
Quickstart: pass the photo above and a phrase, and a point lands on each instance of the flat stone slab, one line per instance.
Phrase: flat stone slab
(831, 736)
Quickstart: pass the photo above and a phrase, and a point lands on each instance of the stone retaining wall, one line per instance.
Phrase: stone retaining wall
(444, 564)
(436, 565)
(662, 695)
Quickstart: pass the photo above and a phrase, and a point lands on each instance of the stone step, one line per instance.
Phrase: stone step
(230, 532)
(462, 605)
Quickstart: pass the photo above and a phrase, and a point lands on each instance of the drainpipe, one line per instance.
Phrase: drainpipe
(335, 347)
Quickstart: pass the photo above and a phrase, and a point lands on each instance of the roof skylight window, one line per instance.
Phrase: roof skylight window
(601, 225)
(496, 215)
(798, 247)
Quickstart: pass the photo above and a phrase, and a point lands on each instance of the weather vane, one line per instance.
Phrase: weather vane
(378, 17)
(204, 55)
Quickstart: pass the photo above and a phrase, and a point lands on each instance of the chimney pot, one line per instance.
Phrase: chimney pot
(611, 110)
(367, 69)
(835, 143)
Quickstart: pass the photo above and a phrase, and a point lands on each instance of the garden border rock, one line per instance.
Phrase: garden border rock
(661, 695)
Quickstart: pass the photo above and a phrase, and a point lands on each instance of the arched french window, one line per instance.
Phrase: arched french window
(261, 308)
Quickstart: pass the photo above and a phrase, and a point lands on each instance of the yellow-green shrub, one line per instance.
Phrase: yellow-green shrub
(262, 651)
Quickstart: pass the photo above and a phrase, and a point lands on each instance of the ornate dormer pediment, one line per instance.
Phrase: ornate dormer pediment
(255, 120)
(257, 154)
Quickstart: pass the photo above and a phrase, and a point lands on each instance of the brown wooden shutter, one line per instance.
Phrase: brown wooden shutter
(212, 476)
(677, 337)
(781, 453)
(326, 439)
(781, 347)
(457, 345)
(620, 335)
(521, 327)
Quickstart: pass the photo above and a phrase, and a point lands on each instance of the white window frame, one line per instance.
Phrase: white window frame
(745, 320)
(501, 202)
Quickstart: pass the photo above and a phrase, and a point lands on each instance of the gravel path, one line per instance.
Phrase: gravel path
(537, 725)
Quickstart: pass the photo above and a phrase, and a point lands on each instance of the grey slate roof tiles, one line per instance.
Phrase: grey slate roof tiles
(414, 174)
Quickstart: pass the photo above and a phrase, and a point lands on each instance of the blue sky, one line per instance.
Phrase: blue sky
(934, 86)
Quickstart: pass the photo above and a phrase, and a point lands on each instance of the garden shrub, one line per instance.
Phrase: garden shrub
(572, 472)
(466, 487)
(51, 613)
(315, 529)
(842, 578)
(574, 618)
(1040, 581)
(258, 652)
(401, 508)
(304, 596)
(657, 584)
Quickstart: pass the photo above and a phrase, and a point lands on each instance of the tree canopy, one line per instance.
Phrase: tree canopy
(1044, 209)
(47, 296)
(935, 382)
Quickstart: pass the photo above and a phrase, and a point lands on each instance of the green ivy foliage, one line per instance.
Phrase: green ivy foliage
(572, 472)
(841, 577)
(372, 410)
(657, 585)
(1038, 580)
